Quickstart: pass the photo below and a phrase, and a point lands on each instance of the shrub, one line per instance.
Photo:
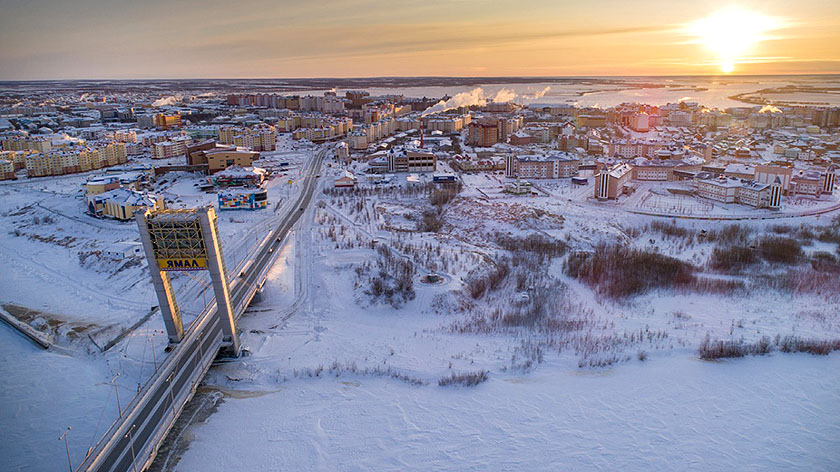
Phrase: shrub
(729, 234)
(431, 222)
(671, 229)
(779, 249)
(535, 243)
(718, 349)
(824, 262)
(617, 271)
(466, 379)
(444, 194)
(811, 346)
(498, 275)
(802, 280)
(476, 286)
(829, 235)
(731, 258)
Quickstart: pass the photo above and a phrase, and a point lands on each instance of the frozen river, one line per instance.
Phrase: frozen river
(607, 92)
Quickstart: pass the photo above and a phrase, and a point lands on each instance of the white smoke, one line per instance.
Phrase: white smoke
(769, 109)
(463, 99)
(504, 95)
(539, 94)
(165, 101)
(684, 99)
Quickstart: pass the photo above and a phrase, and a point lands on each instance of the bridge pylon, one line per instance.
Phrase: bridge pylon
(187, 240)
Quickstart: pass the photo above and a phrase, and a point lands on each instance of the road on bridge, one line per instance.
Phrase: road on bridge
(132, 442)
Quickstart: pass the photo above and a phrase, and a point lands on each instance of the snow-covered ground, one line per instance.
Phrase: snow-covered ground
(82, 300)
(673, 413)
(336, 381)
(337, 378)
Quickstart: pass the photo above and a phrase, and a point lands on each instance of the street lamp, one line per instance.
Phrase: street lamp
(66, 447)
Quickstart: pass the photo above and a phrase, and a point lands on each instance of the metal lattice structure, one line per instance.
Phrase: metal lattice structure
(182, 240)
(176, 234)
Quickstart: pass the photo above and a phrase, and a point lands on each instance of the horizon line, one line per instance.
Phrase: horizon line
(4, 81)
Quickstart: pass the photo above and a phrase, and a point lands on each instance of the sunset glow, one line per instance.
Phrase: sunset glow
(732, 33)
(377, 38)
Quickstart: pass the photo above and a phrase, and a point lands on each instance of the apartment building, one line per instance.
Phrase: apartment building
(175, 147)
(403, 160)
(125, 136)
(483, 134)
(554, 166)
(38, 144)
(329, 103)
(17, 158)
(7, 169)
(260, 138)
(73, 160)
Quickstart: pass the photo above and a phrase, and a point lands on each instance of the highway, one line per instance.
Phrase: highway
(132, 441)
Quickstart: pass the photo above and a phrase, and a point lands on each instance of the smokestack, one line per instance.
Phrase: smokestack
(421, 133)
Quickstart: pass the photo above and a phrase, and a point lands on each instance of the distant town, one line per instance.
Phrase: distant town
(680, 158)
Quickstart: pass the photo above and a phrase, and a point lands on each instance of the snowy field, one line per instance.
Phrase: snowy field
(670, 414)
(348, 345)
(339, 379)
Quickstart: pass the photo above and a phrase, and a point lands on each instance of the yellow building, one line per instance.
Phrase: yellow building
(261, 138)
(122, 203)
(125, 136)
(41, 165)
(24, 144)
(223, 158)
(78, 159)
(167, 121)
(17, 158)
(7, 170)
(100, 185)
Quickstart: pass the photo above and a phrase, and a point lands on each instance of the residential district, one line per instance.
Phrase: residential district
(677, 159)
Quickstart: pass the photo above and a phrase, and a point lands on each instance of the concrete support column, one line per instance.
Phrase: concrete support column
(216, 266)
(163, 288)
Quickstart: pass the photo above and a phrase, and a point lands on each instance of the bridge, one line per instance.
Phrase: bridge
(131, 443)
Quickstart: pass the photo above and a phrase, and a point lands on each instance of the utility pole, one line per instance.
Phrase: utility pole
(131, 443)
(66, 447)
(117, 389)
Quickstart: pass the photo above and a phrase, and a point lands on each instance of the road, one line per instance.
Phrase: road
(132, 441)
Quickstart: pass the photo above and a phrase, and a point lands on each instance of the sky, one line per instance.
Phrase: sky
(115, 39)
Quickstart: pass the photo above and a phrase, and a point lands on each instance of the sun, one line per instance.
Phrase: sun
(731, 33)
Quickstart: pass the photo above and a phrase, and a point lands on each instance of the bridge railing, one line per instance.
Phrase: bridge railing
(134, 417)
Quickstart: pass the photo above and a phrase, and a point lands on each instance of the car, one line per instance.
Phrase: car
(301, 208)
